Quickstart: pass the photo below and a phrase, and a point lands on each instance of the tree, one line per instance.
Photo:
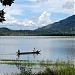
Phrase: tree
(4, 3)
(7, 2)
(2, 18)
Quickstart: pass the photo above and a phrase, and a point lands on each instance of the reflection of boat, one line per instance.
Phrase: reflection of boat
(34, 52)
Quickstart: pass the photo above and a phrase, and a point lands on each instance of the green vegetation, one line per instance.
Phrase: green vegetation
(47, 67)
(8, 32)
(64, 27)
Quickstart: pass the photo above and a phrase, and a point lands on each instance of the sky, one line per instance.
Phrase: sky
(32, 14)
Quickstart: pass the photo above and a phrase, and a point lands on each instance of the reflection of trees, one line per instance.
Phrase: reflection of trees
(24, 70)
(26, 67)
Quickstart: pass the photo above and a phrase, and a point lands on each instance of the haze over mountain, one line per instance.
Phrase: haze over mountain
(63, 27)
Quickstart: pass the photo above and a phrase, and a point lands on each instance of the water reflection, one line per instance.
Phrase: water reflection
(27, 53)
(26, 69)
(51, 48)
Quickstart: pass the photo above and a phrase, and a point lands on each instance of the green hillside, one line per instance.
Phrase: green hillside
(63, 27)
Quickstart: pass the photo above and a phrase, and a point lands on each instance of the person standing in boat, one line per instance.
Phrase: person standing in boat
(34, 49)
(18, 51)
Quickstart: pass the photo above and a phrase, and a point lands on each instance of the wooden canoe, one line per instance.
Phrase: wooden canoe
(21, 53)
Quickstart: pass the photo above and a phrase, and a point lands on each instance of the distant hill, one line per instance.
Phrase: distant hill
(7, 32)
(63, 27)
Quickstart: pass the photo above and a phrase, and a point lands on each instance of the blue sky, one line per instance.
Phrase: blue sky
(31, 14)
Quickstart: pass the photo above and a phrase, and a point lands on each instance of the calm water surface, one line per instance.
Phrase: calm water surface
(51, 48)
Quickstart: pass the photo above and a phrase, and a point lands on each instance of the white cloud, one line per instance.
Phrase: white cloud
(45, 5)
(12, 21)
(44, 16)
(36, 1)
(32, 0)
(45, 19)
(50, 6)
(14, 11)
(44, 8)
(27, 22)
(40, 1)
(31, 23)
(74, 6)
(69, 5)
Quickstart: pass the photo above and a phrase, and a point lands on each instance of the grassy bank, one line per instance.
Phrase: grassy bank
(48, 67)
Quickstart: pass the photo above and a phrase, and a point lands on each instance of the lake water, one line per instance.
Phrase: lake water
(51, 48)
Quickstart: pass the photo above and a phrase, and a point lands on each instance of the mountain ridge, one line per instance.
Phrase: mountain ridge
(63, 27)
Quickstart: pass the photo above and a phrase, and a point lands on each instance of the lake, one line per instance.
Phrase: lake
(52, 48)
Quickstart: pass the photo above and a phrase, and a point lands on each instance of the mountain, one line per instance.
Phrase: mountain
(7, 32)
(63, 27)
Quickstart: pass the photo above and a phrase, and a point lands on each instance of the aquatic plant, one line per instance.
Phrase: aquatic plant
(59, 67)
